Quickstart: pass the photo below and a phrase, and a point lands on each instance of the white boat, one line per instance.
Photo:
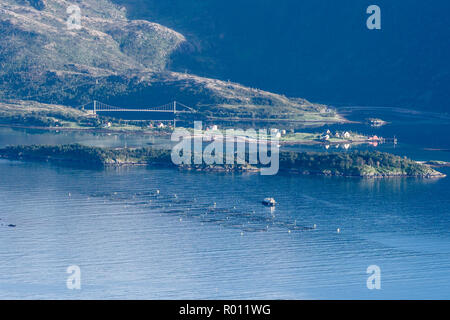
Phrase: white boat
(270, 202)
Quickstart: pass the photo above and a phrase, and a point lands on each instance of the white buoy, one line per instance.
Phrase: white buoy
(338, 230)
(157, 191)
(314, 226)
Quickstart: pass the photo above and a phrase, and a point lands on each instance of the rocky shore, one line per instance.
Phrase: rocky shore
(350, 164)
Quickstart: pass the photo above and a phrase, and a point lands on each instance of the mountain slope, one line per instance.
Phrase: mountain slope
(117, 61)
(321, 50)
(106, 40)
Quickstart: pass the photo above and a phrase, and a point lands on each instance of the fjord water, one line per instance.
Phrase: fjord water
(206, 235)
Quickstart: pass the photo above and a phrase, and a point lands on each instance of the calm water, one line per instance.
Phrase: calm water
(207, 235)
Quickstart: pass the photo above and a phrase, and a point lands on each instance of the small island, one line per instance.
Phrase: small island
(376, 122)
(350, 164)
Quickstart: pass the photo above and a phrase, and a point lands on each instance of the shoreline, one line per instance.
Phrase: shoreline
(165, 134)
(324, 121)
(89, 130)
(219, 169)
(355, 164)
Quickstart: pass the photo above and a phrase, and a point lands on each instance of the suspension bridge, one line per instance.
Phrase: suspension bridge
(174, 107)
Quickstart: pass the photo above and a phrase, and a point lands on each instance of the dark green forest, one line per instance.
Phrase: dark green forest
(357, 163)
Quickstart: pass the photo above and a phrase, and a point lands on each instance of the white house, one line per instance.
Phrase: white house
(275, 132)
(212, 128)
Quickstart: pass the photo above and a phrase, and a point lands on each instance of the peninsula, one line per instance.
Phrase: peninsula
(350, 164)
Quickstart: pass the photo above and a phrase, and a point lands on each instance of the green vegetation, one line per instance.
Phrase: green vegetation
(29, 113)
(120, 62)
(35, 114)
(86, 156)
(358, 163)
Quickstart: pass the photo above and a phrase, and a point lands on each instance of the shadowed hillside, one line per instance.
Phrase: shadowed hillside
(118, 61)
(318, 49)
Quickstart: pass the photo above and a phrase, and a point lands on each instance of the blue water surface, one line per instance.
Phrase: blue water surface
(207, 236)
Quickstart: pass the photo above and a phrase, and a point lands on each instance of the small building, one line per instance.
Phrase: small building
(275, 132)
(283, 132)
(213, 127)
(337, 135)
(161, 125)
(347, 135)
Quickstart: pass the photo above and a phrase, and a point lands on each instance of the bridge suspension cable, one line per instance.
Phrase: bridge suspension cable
(172, 107)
